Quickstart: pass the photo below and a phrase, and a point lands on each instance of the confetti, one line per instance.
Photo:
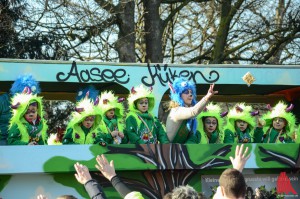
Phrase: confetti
(248, 78)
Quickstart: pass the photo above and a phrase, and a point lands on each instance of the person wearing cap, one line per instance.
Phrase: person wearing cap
(113, 124)
(279, 124)
(210, 124)
(181, 122)
(241, 123)
(141, 126)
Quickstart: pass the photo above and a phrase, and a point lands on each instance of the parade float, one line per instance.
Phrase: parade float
(154, 170)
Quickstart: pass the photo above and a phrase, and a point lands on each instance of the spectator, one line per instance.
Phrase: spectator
(232, 183)
(107, 169)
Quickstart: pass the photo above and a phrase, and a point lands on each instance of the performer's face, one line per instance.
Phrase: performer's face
(110, 114)
(242, 125)
(88, 121)
(143, 105)
(279, 123)
(210, 124)
(187, 97)
(31, 113)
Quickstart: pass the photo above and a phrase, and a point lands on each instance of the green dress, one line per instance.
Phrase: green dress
(149, 130)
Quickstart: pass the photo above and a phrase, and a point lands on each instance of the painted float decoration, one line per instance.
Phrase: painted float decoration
(153, 170)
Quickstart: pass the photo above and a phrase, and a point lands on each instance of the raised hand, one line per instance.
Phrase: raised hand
(211, 91)
(41, 196)
(82, 173)
(241, 157)
(107, 169)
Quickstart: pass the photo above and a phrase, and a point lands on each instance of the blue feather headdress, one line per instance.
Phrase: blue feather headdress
(177, 88)
(25, 81)
(93, 93)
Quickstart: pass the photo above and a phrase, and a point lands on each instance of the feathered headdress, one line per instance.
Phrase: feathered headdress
(211, 110)
(84, 108)
(280, 110)
(90, 91)
(178, 87)
(140, 92)
(241, 112)
(25, 81)
(19, 104)
(109, 101)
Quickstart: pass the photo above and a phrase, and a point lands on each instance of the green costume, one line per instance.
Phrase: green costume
(210, 110)
(22, 132)
(269, 134)
(76, 133)
(232, 134)
(107, 102)
(5, 116)
(142, 128)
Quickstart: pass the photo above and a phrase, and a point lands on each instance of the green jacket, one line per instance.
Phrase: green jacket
(111, 125)
(34, 133)
(91, 136)
(241, 137)
(212, 140)
(139, 134)
(272, 137)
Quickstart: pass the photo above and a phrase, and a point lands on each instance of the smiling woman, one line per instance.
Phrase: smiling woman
(181, 122)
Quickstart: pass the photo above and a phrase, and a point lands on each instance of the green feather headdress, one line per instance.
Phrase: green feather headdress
(140, 92)
(109, 101)
(241, 112)
(280, 110)
(84, 108)
(20, 103)
(211, 110)
(136, 93)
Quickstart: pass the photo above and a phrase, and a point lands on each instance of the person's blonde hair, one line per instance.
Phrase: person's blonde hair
(172, 104)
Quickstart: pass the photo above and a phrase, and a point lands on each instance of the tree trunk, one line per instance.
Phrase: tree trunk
(275, 59)
(220, 43)
(126, 37)
(153, 29)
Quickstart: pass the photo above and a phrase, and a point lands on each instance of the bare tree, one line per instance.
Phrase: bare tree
(241, 31)
(88, 29)
(10, 12)
(175, 31)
